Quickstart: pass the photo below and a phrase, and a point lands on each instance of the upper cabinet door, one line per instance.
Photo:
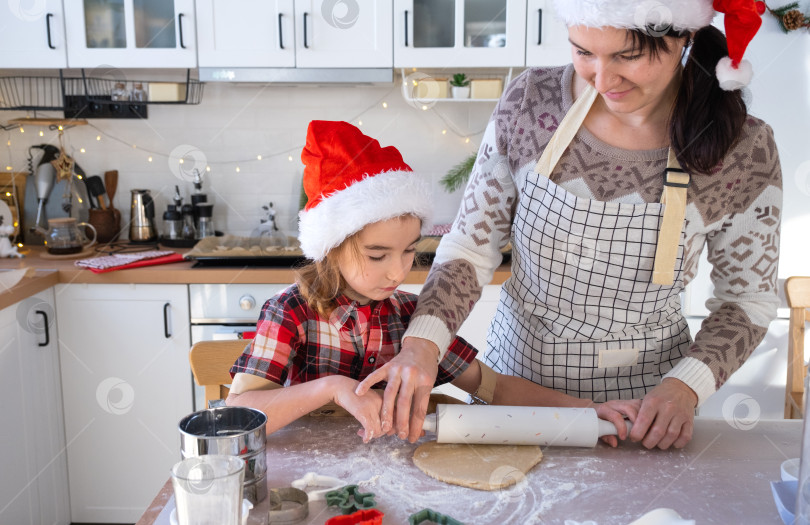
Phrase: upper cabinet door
(131, 33)
(343, 33)
(32, 35)
(546, 36)
(459, 33)
(245, 33)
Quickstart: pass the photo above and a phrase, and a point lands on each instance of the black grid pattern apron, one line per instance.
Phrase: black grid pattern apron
(579, 313)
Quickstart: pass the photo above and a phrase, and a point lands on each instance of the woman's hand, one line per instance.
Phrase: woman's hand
(365, 409)
(410, 376)
(666, 417)
(615, 412)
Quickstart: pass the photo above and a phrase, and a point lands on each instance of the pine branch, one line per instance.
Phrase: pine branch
(458, 175)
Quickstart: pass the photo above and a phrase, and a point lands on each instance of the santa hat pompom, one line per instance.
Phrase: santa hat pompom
(350, 182)
(731, 77)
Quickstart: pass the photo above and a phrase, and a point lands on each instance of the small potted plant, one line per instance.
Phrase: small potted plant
(460, 86)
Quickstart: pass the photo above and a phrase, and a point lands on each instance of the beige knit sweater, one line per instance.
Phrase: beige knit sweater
(734, 212)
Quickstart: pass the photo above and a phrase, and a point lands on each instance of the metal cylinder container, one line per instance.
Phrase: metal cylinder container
(232, 431)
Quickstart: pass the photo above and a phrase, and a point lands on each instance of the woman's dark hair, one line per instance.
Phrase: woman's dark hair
(706, 120)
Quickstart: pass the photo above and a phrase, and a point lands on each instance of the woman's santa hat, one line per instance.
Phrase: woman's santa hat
(350, 182)
(742, 21)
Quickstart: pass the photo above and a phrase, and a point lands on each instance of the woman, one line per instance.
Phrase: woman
(592, 306)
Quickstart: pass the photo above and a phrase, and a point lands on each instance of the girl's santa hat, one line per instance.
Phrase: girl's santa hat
(351, 181)
(742, 21)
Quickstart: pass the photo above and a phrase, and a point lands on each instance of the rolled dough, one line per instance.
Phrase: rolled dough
(483, 467)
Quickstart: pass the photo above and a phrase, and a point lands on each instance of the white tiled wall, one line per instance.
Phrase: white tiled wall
(237, 122)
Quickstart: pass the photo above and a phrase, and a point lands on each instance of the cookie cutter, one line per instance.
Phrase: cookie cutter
(295, 512)
(361, 517)
(348, 499)
(311, 479)
(431, 516)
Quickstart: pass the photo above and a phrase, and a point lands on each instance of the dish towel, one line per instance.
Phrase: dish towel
(120, 261)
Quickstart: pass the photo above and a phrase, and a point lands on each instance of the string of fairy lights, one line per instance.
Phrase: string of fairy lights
(448, 127)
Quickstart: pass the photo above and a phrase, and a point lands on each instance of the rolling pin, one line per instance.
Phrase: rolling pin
(506, 425)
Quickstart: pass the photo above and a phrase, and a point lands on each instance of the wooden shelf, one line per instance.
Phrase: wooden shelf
(65, 123)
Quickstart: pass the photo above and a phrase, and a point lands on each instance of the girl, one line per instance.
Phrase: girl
(344, 316)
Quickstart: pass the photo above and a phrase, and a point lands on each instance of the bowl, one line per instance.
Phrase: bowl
(790, 469)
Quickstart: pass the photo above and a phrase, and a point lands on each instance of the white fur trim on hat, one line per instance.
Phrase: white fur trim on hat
(372, 199)
(680, 15)
(734, 78)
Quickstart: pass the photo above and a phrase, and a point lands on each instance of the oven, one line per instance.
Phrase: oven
(225, 311)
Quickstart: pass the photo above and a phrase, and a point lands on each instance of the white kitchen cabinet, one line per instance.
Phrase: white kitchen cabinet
(126, 385)
(131, 34)
(459, 33)
(546, 36)
(294, 33)
(34, 483)
(33, 35)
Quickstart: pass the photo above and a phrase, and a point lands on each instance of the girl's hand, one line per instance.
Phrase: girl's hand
(615, 411)
(365, 408)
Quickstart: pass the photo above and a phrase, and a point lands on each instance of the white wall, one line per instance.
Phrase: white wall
(236, 122)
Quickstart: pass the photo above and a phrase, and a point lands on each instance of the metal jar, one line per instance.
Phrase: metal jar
(232, 431)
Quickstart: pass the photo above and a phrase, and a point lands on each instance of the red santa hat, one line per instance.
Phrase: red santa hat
(742, 21)
(350, 182)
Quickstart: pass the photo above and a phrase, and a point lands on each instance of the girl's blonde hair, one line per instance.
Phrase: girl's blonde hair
(320, 282)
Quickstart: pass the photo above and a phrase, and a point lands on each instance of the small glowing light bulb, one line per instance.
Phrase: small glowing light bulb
(385, 104)
(82, 150)
(98, 137)
(22, 130)
(424, 108)
(359, 122)
(208, 168)
(182, 161)
(289, 158)
(444, 132)
(259, 157)
(149, 159)
(237, 169)
(41, 133)
(467, 140)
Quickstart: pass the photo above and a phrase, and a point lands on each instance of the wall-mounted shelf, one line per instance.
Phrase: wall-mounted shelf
(93, 97)
(439, 89)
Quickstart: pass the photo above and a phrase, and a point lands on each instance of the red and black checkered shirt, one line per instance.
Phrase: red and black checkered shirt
(294, 344)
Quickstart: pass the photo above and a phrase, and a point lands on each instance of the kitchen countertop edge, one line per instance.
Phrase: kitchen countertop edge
(51, 272)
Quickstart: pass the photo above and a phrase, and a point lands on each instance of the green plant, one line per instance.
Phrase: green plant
(459, 174)
(460, 80)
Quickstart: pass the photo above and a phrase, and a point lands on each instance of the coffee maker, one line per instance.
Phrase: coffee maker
(49, 196)
(142, 218)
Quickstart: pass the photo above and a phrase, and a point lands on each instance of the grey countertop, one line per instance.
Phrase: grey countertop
(722, 477)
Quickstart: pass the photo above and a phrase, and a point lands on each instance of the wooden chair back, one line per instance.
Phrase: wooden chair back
(797, 291)
(211, 362)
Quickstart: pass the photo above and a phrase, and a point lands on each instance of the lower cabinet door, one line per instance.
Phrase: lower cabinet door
(126, 384)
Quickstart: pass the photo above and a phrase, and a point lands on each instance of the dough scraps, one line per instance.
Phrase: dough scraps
(483, 467)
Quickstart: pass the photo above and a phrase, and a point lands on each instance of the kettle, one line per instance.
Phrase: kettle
(142, 217)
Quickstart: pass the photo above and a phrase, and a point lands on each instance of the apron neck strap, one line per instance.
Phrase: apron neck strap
(565, 132)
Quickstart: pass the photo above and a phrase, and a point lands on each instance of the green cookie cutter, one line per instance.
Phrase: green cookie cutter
(348, 499)
(431, 516)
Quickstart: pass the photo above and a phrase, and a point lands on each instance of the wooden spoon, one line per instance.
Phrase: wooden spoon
(111, 184)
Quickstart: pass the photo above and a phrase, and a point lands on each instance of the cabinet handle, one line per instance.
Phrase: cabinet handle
(48, 27)
(47, 332)
(306, 44)
(166, 332)
(280, 39)
(539, 26)
(180, 28)
(406, 28)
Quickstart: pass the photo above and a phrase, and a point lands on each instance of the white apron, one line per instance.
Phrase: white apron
(580, 313)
